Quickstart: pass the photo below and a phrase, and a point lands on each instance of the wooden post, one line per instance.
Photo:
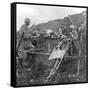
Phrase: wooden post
(78, 69)
(49, 46)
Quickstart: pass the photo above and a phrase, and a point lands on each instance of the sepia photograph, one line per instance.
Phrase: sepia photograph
(51, 44)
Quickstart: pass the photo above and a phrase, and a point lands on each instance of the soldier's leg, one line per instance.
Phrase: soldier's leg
(70, 49)
(25, 45)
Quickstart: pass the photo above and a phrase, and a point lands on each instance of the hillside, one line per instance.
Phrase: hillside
(77, 19)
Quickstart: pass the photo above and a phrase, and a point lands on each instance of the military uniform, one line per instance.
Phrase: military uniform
(23, 38)
(75, 45)
(23, 42)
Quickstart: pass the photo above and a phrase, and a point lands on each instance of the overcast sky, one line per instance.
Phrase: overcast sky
(40, 14)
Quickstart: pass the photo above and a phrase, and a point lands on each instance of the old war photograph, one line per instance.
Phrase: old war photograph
(51, 45)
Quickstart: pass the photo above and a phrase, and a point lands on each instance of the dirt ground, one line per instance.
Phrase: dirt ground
(35, 74)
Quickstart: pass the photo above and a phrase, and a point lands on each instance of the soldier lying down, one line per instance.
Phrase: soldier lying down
(58, 54)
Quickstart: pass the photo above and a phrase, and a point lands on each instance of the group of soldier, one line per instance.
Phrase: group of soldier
(73, 35)
(74, 46)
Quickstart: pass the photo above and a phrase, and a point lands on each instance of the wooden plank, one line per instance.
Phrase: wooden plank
(44, 53)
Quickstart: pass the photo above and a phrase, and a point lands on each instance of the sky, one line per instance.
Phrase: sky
(40, 14)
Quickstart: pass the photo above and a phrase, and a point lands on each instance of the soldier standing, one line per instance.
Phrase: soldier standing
(77, 47)
(73, 44)
(22, 39)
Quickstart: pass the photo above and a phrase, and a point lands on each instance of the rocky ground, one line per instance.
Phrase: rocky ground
(35, 74)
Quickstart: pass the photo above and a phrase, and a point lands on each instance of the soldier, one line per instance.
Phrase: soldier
(76, 47)
(23, 39)
(61, 35)
(58, 55)
(74, 43)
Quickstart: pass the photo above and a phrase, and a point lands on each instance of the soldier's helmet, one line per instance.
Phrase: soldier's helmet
(27, 21)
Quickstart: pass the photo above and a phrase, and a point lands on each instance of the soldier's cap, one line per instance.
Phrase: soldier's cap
(27, 20)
